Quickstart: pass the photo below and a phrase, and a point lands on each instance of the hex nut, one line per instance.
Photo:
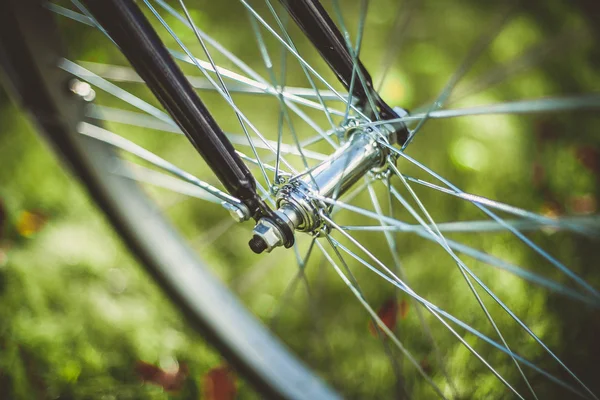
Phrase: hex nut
(269, 233)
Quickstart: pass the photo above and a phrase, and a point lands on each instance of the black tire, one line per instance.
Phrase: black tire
(29, 54)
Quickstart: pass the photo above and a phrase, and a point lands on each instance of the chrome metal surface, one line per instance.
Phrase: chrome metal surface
(266, 235)
(296, 199)
(82, 89)
(238, 212)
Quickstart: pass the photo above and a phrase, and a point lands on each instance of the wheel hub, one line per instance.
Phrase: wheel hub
(298, 199)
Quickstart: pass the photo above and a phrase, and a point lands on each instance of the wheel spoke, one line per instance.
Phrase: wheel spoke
(461, 266)
(588, 102)
(114, 90)
(297, 56)
(162, 180)
(243, 85)
(471, 252)
(435, 311)
(396, 38)
(132, 148)
(538, 220)
(515, 232)
(379, 323)
(283, 108)
(399, 270)
(290, 289)
(442, 315)
(529, 58)
(354, 53)
(136, 119)
(481, 226)
(473, 55)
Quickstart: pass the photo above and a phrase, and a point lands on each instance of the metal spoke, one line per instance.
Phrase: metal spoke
(282, 84)
(114, 90)
(118, 73)
(481, 226)
(396, 38)
(380, 334)
(399, 270)
(484, 257)
(473, 55)
(162, 180)
(588, 102)
(539, 220)
(462, 267)
(269, 65)
(354, 53)
(136, 119)
(530, 57)
(134, 149)
(515, 232)
(304, 69)
(298, 57)
(438, 313)
(290, 289)
(313, 301)
(379, 323)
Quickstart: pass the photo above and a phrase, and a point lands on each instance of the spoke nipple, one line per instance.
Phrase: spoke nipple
(257, 244)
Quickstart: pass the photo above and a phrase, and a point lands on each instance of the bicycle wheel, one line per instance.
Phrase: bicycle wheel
(383, 232)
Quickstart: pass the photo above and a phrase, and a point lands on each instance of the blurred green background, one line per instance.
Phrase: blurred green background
(77, 313)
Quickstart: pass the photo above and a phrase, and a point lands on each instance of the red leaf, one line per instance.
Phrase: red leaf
(425, 366)
(219, 384)
(538, 174)
(388, 313)
(170, 381)
(585, 204)
(589, 157)
(546, 131)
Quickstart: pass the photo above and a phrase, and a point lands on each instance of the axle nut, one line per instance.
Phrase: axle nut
(266, 236)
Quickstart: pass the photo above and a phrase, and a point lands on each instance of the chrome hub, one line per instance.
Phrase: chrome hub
(298, 201)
